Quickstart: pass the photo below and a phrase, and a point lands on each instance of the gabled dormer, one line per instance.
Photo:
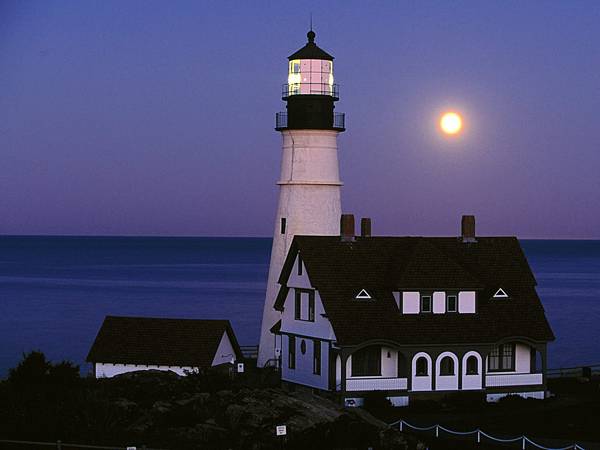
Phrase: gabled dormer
(298, 275)
(363, 295)
(500, 293)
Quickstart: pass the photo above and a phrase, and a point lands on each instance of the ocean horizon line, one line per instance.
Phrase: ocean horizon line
(189, 236)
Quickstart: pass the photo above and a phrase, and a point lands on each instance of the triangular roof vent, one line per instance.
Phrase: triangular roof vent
(363, 295)
(500, 293)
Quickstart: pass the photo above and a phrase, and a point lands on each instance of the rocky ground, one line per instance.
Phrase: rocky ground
(163, 410)
(45, 402)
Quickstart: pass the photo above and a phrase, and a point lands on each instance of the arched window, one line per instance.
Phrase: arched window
(472, 365)
(447, 366)
(421, 367)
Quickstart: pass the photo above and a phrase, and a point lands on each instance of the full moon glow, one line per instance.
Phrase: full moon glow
(451, 123)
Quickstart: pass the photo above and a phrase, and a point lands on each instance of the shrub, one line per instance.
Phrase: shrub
(377, 404)
(33, 369)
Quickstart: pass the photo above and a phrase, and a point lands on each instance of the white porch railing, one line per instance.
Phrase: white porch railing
(513, 379)
(376, 384)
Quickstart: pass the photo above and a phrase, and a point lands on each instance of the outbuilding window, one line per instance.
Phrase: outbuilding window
(366, 362)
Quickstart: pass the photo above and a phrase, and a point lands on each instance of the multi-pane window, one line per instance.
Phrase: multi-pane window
(426, 303)
(304, 305)
(502, 357)
(317, 357)
(366, 362)
(291, 352)
(451, 302)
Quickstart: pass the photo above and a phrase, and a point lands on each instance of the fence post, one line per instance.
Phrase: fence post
(401, 425)
(524, 443)
(58, 445)
(478, 436)
(437, 431)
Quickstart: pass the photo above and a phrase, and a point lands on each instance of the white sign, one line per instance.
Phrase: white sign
(240, 367)
(280, 430)
(131, 448)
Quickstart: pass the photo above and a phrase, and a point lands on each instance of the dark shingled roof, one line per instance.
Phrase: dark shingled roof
(382, 265)
(169, 342)
(311, 50)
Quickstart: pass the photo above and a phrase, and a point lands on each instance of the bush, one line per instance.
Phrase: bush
(35, 369)
(465, 400)
(377, 404)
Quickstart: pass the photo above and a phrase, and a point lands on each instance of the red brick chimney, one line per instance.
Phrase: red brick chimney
(347, 227)
(468, 229)
(365, 227)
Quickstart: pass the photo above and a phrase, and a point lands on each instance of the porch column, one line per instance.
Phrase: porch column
(460, 356)
(409, 373)
(484, 357)
(344, 357)
(543, 351)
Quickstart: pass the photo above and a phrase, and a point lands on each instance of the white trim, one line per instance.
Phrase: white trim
(421, 382)
(472, 381)
(500, 293)
(446, 382)
(363, 295)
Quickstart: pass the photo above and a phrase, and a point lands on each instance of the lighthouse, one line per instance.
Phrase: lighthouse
(309, 184)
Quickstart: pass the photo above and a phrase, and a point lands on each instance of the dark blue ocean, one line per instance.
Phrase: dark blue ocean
(55, 291)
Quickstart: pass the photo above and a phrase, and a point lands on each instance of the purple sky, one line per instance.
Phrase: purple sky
(144, 117)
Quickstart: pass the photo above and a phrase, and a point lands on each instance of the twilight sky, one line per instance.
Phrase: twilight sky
(156, 118)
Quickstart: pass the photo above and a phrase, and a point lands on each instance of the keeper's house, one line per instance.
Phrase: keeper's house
(128, 344)
(411, 316)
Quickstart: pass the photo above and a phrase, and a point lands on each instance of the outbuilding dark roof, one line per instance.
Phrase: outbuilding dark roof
(383, 265)
(169, 342)
(311, 50)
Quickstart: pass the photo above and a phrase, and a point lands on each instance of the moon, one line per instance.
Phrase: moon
(451, 123)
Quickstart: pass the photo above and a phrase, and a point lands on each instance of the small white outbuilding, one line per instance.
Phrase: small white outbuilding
(128, 344)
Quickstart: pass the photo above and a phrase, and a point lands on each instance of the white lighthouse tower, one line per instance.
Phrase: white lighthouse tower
(309, 185)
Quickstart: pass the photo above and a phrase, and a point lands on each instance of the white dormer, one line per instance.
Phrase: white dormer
(500, 293)
(363, 295)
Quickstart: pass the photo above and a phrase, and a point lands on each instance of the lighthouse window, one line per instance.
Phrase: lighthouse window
(295, 67)
(283, 224)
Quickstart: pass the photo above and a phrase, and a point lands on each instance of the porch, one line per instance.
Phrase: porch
(381, 367)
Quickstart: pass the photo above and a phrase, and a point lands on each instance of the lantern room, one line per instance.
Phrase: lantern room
(310, 71)
(310, 92)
